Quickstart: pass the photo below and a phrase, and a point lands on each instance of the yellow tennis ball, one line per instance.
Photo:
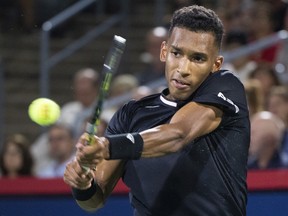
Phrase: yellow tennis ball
(44, 111)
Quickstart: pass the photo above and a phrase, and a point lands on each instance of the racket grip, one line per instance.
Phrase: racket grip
(90, 129)
(87, 169)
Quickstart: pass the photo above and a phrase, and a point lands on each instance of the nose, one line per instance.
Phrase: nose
(183, 67)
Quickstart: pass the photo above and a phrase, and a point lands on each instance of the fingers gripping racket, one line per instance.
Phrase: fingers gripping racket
(109, 68)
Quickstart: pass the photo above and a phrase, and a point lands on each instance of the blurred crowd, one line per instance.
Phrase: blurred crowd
(264, 75)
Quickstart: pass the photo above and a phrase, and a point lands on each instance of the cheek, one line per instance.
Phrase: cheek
(170, 66)
(13, 162)
(55, 147)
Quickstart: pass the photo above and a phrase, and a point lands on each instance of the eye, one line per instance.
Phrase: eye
(198, 58)
(175, 53)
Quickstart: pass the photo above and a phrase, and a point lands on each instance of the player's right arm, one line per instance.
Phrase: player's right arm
(105, 177)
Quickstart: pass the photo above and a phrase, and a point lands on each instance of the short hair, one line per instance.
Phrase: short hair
(198, 19)
(88, 73)
(62, 126)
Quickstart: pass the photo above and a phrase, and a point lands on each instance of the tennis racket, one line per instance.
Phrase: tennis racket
(109, 68)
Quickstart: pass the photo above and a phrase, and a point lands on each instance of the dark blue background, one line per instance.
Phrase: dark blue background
(259, 204)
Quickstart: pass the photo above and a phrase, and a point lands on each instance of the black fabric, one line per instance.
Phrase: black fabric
(208, 176)
(125, 146)
(83, 195)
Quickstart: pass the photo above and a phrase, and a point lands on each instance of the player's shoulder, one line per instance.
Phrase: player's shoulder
(225, 74)
(224, 77)
(147, 100)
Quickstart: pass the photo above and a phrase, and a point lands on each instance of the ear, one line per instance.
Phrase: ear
(218, 63)
(163, 51)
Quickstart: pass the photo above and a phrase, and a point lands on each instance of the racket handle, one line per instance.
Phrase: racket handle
(90, 129)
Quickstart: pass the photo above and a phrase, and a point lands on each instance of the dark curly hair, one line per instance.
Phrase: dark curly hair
(198, 19)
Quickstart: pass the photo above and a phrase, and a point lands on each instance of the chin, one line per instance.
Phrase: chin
(179, 97)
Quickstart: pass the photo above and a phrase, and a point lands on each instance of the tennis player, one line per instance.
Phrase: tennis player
(183, 151)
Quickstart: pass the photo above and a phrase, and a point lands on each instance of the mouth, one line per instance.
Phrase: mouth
(180, 84)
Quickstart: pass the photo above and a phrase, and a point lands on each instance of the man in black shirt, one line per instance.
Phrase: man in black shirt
(181, 152)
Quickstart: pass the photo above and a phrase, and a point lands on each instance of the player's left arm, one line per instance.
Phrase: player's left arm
(191, 121)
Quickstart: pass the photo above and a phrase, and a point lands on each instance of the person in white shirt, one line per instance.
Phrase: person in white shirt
(74, 114)
(61, 145)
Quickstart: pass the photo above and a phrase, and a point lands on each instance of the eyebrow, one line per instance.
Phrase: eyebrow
(175, 47)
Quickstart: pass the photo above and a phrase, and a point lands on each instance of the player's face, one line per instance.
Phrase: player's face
(190, 57)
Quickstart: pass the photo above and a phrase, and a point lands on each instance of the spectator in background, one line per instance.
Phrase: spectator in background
(61, 150)
(15, 158)
(122, 88)
(266, 135)
(74, 114)
(254, 96)
(153, 67)
(143, 91)
(267, 77)
(137, 93)
(278, 104)
(242, 66)
(261, 25)
(122, 84)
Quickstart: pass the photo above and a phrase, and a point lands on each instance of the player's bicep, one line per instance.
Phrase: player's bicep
(195, 120)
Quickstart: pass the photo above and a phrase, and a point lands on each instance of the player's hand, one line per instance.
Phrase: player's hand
(76, 177)
(92, 154)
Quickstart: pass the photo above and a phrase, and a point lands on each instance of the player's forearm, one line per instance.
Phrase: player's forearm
(162, 140)
(155, 142)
